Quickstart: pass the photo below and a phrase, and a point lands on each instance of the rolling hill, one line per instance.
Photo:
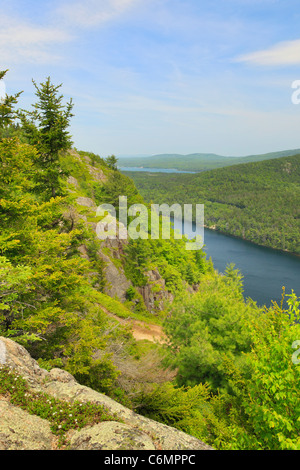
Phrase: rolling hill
(198, 161)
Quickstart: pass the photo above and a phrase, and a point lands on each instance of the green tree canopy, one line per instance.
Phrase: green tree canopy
(207, 326)
(46, 127)
(111, 162)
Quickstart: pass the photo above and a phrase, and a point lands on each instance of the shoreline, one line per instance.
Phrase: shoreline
(215, 229)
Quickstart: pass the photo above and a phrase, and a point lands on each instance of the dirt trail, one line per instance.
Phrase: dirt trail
(141, 330)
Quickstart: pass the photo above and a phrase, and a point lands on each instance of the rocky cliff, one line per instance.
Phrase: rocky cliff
(155, 293)
(20, 430)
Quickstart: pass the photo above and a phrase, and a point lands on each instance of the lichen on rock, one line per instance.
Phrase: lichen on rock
(19, 430)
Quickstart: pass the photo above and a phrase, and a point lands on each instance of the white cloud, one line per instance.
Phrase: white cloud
(94, 12)
(23, 42)
(283, 53)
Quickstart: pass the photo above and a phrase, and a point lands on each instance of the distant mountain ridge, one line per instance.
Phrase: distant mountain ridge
(199, 161)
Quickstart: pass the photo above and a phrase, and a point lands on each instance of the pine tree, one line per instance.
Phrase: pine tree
(112, 161)
(46, 127)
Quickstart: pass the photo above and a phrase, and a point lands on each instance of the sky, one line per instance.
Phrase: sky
(162, 76)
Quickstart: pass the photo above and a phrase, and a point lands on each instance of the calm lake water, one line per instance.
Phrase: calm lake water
(153, 170)
(265, 270)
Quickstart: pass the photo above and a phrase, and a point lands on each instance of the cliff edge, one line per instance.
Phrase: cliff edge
(20, 430)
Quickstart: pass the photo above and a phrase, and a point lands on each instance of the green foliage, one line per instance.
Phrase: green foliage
(175, 264)
(235, 276)
(136, 303)
(14, 283)
(137, 255)
(111, 162)
(77, 167)
(116, 186)
(206, 327)
(270, 399)
(92, 247)
(251, 357)
(46, 128)
(130, 293)
(96, 160)
(101, 375)
(63, 416)
(123, 310)
(176, 407)
(49, 294)
(17, 169)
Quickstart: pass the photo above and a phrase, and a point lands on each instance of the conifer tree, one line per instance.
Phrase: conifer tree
(112, 161)
(46, 127)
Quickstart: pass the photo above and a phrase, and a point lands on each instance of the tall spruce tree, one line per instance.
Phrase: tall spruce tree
(46, 127)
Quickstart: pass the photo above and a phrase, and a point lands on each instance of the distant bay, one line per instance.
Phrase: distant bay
(153, 170)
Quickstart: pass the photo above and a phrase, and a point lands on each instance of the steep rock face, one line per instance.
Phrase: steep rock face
(116, 282)
(96, 173)
(85, 201)
(19, 430)
(155, 293)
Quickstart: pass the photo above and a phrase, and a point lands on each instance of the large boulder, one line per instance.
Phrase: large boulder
(19, 430)
(110, 435)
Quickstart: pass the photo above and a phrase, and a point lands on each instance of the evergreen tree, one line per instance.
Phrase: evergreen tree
(46, 127)
(112, 162)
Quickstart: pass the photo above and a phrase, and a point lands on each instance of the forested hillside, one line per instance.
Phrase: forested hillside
(58, 280)
(224, 371)
(259, 202)
(198, 161)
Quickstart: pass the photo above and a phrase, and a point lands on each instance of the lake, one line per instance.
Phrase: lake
(153, 170)
(265, 270)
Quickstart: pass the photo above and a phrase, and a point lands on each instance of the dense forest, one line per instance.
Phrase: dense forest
(195, 162)
(259, 202)
(228, 372)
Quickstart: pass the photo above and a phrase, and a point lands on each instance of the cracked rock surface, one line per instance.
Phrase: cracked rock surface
(21, 431)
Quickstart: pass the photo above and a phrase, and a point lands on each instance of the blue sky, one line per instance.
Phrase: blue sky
(161, 76)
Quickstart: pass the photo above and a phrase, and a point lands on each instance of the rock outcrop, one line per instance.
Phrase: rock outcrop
(154, 293)
(21, 431)
(114, 237)
(117, 283)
